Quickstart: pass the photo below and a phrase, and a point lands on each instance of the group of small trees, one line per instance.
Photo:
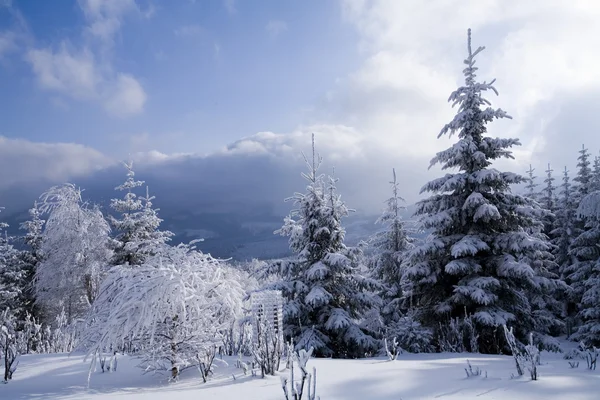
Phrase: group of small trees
(78, 286)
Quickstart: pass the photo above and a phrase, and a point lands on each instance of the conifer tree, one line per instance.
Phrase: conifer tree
(582, 251)
(325, 292)
(478, 258)
(390, 246)
(585, 271)
(11, 273)
(32, 256)
(531, 184)
(138, 234)
(595, 185)
(584, 174)
(548, 199)
(564, 225)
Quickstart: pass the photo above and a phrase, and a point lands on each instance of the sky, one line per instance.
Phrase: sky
(220, 97)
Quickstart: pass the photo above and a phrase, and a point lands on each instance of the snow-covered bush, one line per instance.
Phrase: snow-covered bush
(112, 362)
(295, 390)
(458, 336)
(471, 372)
(237, 338)
(393, 350)
(532, 355)
(411, 336)
(585, 352)
(205, 362)
(8, 343)
(173, 308)
(75, 244)
(31, 335)
(266, 347)
(515, 350)
(591, 357)
(527, 357)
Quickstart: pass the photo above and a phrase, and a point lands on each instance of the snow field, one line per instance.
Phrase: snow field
(412, 376)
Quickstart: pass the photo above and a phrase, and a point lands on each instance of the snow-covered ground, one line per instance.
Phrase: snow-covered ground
(425, 376)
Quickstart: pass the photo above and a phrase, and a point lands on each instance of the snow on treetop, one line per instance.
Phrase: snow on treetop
(590, 206)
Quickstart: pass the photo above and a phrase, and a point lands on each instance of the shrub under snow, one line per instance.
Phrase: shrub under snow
(171, 311)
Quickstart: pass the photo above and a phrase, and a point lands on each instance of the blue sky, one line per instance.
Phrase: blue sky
(212, 71)
(241, 85)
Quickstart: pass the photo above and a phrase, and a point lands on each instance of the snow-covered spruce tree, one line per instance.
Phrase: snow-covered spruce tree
(582, 250)
(530, 188)
(548, 201)
(585, 272)
(477, 258)
(137, 229)
(546, 302)
(75, 245)
(32, 257)
(563, 233)
(389, 248)
(174, 309)
(595, 180)
(584, 175)
(562, 237)
(322, 284)
(12, 275)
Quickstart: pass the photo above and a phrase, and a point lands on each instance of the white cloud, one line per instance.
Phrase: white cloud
(276, 27)
(87, 73)
(539, 51)
(78, 75)
(105, 16)
(71, 73)
(23, 162)
(127, 97)
(362, 164)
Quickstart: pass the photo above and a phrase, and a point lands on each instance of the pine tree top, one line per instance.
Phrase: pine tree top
(584, 172)
(473, 152)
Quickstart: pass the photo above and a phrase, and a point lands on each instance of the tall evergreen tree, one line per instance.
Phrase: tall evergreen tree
(11, 273)
(585, 271)
(584, 174)
(32, 256)
(595, 184)
(138, 234)
(478, 257)
(563, 232)
(582, 251)
(390, 246)
(548, 199)
(325, 292)
(531, 184)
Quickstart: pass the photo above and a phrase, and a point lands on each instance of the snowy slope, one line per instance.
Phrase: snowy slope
(427, 376)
